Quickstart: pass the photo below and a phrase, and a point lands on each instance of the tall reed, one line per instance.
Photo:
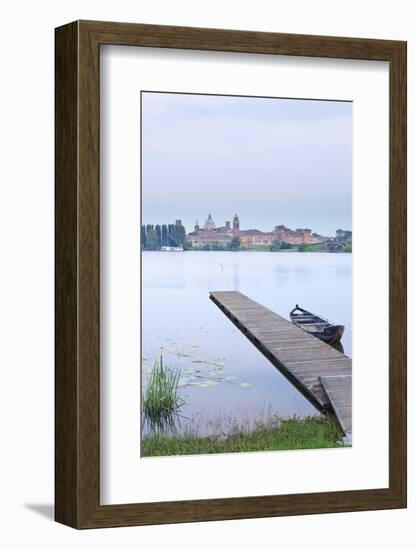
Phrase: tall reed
(161, 397)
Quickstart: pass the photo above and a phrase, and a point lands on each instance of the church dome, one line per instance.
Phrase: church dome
(209, 223)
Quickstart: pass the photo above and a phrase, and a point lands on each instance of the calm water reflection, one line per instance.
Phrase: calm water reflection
(223, 376)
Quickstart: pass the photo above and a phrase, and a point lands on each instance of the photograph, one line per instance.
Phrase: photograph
(246, 274)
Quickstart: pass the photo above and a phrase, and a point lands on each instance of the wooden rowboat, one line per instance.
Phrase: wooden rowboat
(315, 325)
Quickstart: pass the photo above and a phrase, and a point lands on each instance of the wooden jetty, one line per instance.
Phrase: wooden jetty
(321, 373)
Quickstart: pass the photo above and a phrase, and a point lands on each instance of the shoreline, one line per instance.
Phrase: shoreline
(254, 250)
(274, 435)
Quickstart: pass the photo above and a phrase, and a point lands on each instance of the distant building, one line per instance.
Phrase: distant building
(299, 236)
(236, 226)
(254, 237)
(210, 234)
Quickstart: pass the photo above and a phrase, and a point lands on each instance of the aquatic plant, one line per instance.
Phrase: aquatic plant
(161, 398)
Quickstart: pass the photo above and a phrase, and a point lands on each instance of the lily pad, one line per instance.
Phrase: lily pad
(211, 382)
(245, 385)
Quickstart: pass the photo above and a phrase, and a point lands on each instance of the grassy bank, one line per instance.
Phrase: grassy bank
(274, 435)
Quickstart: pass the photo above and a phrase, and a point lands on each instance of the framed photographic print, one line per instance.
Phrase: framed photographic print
(230, 274)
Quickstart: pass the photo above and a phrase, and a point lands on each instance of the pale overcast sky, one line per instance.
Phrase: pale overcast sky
(271, 161)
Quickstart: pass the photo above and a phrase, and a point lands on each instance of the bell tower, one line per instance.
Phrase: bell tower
(236, 226)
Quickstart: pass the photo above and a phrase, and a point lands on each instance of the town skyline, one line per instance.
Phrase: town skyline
(232, 236)
(189, 227)
(273, 161)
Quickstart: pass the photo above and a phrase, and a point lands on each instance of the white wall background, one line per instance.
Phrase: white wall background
(26, 272)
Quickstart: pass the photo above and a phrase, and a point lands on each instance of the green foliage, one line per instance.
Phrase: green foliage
(279, 245)
(153, 238)
(348, 248)
(161, 397)
(303, 247)
(164, 235)
(176, 235)
(171, 241)
(158, 235)
(234, 244)
(344, 236)
(152, 241)
(294, 433)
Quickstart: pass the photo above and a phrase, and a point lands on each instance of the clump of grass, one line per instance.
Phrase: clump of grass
(273, 435)
(161, 397)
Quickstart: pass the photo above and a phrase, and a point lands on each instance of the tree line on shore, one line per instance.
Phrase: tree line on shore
(154, 237)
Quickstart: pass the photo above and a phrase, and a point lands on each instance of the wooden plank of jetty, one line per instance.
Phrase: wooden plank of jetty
(339, 392)
(303, 359)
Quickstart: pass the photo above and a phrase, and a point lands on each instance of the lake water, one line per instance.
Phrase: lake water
(224, 378)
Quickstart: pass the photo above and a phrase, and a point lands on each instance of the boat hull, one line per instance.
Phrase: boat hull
(316, 326)
(331, 335)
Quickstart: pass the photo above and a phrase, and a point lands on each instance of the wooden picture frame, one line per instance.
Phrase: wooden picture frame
(77, 382)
